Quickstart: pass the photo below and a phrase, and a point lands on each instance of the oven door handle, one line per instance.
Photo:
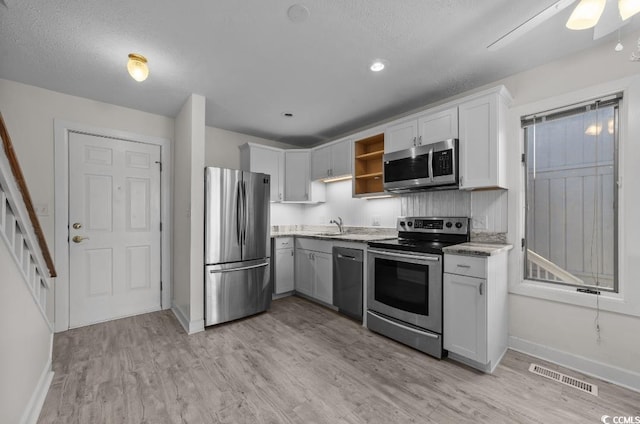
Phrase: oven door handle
(400, 255)
(413, 330)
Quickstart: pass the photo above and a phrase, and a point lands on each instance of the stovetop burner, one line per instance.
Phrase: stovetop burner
(426, 234)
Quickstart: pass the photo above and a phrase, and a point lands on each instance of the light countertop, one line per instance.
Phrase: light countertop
(477, 249)
(354, 234)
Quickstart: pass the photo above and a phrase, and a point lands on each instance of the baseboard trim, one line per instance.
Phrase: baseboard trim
(34, 407)
(609, 373)
(191, 327)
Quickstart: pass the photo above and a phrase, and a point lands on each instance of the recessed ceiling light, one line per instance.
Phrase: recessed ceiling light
(298, 13)
(287, 114)
(378, 65)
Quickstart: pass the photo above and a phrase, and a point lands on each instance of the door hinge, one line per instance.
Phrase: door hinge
(159, 163)
(161, 226)
(160, 285)
(522, 243)
(524, 158)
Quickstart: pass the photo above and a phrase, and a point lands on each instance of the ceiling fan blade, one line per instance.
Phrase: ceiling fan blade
(530, 24)
(610, 20)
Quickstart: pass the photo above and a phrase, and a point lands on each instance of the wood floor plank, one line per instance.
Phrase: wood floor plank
(297, 363)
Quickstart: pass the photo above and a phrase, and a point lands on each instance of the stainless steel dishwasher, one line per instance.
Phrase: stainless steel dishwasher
(347, 281)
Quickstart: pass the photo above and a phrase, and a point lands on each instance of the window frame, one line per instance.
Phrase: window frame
(561, 112)
(627, 300)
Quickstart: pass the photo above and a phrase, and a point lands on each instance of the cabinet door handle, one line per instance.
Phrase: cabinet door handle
(480, 288)
(420, 141)
(414, 141)
(292, 252)
(463, 266)
(461, 180)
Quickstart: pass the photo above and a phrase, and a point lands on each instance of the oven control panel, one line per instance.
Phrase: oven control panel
(445, 225)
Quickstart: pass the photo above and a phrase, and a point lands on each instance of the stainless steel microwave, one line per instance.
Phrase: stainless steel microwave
(432, 166)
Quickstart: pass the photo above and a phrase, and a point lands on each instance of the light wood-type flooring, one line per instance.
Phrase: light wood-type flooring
(297, 363)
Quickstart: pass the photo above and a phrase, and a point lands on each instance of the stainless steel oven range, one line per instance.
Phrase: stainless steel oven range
(404, 300)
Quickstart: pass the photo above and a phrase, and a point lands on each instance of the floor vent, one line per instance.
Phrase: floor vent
(564, 379)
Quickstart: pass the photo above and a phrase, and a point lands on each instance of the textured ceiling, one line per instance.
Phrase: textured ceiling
(252, 63)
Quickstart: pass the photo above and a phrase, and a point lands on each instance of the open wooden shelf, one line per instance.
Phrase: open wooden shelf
(368, 165)
(372, 155)
(368, 176)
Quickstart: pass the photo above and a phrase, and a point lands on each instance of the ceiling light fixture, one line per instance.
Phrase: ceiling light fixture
(137, 67)
(586, 14)
(628, 8)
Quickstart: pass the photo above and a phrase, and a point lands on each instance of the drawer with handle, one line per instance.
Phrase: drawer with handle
(283, 242)
(470, 266)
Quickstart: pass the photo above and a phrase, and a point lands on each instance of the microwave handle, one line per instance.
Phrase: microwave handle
(431, 164)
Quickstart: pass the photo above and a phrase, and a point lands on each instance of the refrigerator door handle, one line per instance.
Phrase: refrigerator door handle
(246, 213)
(238, 214)
(214, 271)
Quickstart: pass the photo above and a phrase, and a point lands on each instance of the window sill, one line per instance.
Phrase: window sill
(610, 302)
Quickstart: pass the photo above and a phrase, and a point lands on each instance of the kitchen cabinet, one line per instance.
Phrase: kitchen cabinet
(314, 269)
(283, 269)
(482, 146)
(267, 160)
(332, 160)
(428, 128)
(298, 186)
(475, 309)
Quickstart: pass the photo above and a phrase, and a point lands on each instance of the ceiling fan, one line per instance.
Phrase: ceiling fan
(604, 16)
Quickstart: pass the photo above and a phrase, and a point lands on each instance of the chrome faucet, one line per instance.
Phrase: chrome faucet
(338, 223)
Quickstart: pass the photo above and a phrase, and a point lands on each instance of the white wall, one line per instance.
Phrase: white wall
(221, 147)
(558, 329)
(29, 113)
(25, 342)
(188, 214)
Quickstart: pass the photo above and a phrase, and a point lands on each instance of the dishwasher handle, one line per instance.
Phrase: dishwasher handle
(347, 257)
(348, 254)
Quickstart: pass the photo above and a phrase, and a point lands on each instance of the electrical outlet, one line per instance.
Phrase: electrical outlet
(479, 222)
(375, 221)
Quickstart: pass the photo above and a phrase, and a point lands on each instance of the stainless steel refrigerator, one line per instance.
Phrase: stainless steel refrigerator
(237, 248)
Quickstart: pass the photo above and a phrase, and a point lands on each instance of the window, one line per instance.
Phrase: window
(571, 195)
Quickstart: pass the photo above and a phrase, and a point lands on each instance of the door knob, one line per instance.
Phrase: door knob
(78, 239)
(77, 226)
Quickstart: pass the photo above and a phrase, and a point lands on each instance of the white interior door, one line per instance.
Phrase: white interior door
(114, 229)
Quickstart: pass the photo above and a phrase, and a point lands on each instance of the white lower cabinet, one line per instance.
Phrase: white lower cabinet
(465, 323)
(475, 309)
(283, 271)
(314, 269)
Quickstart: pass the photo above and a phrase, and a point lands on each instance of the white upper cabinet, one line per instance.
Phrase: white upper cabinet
(298, 186)
(321, 163)
(438, 126)
(267, 160)
(332, 160)
(482, 141)
(428, 128)
(401, 136)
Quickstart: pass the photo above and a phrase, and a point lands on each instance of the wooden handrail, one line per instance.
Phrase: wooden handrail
(26, 197)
